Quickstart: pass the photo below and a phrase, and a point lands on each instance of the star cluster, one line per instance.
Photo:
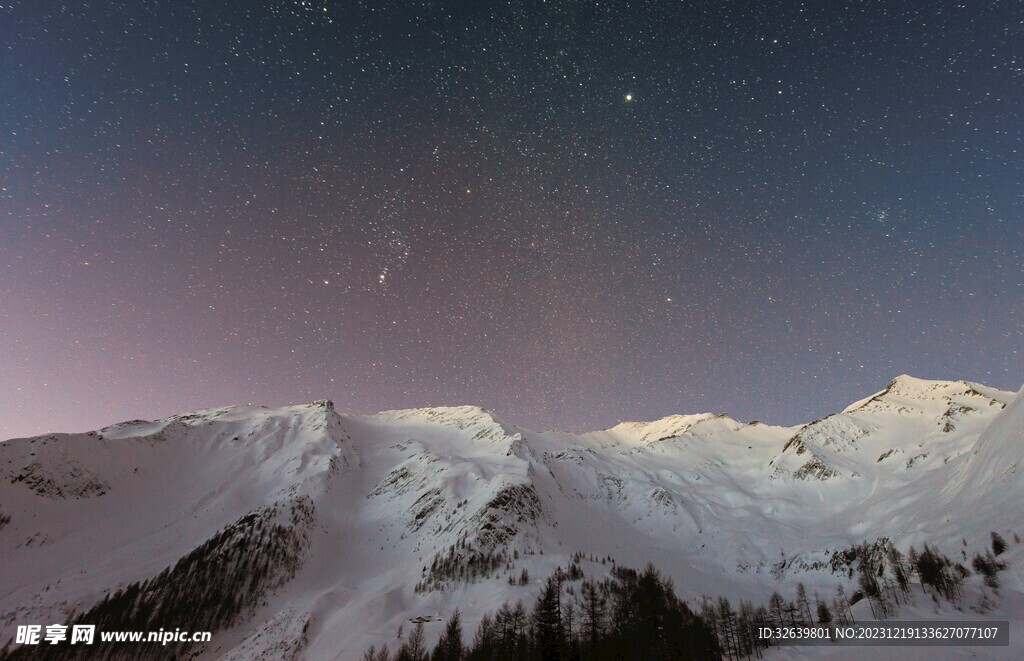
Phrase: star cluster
(568, 212)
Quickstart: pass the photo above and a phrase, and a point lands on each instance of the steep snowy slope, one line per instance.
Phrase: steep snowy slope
(94, 511)
(993, 474)
(369, 521)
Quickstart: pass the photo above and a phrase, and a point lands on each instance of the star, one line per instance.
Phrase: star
(536, 233)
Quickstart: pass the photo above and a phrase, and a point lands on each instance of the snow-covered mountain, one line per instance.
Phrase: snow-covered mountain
(302, 530)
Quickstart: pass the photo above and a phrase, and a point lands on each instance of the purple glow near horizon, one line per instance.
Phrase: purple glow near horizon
(568, 214)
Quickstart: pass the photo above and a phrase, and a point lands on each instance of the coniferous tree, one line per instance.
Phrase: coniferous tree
(900, 570)
(777, 610)
(629, 616)
(710, 615)
(989, 567)
(824, 614)
(510, 626)
(547, 620)
(747, 624)
(937, 571)
(867, 579)
(373, 654)
(791, 612)
(998, 543)
(449, 647)
(415, 648)
(763, 620)
(803, 605)
(520, 623)
(593, 607)
(485, 642)
(727, 628)
(842, 606)
(570, 625)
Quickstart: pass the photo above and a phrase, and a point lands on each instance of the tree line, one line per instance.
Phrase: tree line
(629, 615)
(637, 615)
(213, 587)
(883, 578)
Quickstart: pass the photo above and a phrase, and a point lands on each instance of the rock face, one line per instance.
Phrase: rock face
(304, 530)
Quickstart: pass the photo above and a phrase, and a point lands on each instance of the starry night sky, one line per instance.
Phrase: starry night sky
(571, 213)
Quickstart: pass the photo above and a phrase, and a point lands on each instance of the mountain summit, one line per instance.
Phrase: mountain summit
(301, 529)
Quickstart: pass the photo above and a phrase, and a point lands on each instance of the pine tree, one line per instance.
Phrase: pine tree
(449, 647)
(547, 620)
(900, 569)
(746, 630)
(762, 619)
(824, 614)
(803, 605)
(593, 606)
(998, 543)
(777, 610)
(988, 567)
(415, 648)
(710, 615)
(485, 641)
(373, 654)
(570, 641)
(728, 636)
(937, 570)
(842, 607)
(519, 622)
(868, 582)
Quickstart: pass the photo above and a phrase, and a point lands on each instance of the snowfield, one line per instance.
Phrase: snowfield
(316, 534)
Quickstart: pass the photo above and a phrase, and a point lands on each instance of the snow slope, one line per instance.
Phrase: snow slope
(412, 513)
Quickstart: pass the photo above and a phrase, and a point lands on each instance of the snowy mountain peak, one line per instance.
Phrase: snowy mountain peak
(913, 388)
(483, 423)
(905, 393)
(384, 518)
(667, 427)
(911, 425)
(701, 425)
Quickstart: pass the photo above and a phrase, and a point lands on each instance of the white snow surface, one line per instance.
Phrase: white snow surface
(714, 503)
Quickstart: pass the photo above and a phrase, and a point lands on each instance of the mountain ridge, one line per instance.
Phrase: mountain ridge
(413, 512)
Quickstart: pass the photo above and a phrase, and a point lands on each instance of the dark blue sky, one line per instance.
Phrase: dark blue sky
(571, 213)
